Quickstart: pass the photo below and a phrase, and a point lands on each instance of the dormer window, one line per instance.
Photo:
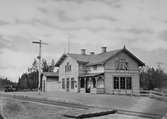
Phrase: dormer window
(67, 67)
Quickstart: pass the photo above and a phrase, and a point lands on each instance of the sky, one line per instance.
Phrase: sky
(141, 25)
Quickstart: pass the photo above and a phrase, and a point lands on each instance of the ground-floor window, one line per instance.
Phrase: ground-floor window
(128, 82)
(122, 82)
(116, 82)
(72, 83)
(63, 83)
(82, 82)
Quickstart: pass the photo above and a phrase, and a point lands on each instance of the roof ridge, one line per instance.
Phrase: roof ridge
(99, 58)
(94, 54)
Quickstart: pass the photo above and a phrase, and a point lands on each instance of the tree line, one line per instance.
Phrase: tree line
(29, 80)
(150, 77)
(153, 78)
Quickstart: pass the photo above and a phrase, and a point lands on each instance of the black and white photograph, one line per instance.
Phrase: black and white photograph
(83, 59)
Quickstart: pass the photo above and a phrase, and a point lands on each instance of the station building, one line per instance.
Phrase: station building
(115, 71)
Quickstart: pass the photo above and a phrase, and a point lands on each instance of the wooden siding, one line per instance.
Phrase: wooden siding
(110, 72)
(74, 73)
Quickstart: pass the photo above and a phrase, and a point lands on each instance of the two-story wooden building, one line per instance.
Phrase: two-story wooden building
(114, 71)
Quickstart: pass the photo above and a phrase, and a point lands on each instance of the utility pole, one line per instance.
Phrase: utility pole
(40, 43)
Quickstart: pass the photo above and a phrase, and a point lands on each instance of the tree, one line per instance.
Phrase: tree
(52, 66)
(30, 80)
(35, 65)
(22, 84)
(45, 67)
(151, 78)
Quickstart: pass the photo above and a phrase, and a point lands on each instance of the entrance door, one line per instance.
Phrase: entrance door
(67, 84)
(87, 85)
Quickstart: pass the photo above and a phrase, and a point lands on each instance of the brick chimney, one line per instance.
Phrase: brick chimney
(103, 49)
(83, 51)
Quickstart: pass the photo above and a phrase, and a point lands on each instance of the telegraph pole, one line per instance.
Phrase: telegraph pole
(40, 43)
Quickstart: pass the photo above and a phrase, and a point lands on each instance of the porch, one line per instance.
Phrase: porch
(92, 83)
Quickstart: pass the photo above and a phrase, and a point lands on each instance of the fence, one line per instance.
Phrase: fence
(147, 93)
(154, 94)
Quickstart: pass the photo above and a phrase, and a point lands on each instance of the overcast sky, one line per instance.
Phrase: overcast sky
(139, 24)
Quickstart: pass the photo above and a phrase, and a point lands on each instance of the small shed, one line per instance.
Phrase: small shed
(50, 81)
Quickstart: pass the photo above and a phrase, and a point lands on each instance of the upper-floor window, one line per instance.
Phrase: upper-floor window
(67, 67)
(121, 64)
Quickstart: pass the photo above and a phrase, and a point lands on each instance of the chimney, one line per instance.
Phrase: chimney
(83, 51)
(92, 53)
(104, 49)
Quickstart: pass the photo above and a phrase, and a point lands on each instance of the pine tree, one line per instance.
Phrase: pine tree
(52, 66)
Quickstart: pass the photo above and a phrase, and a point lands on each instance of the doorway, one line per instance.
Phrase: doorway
(87, 89)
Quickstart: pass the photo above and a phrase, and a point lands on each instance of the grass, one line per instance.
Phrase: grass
(130, 103)
(14, 109)
(17, 109)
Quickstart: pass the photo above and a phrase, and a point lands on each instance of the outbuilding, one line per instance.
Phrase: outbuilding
(50, 82)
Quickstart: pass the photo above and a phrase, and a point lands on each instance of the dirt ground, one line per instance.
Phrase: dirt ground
(130, 103)
(17, 109)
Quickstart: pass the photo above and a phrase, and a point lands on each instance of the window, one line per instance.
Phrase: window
(128, 83)
(72, 83)
(116, 82)
(63, 83)
(121, 64)
(82, 83)
(122, 82)
(67, 67)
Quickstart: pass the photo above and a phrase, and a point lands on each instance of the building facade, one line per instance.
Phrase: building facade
(109, 72)
(50, 82)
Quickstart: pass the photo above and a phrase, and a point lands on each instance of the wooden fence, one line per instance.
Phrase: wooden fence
(154, 94)
(147, 93)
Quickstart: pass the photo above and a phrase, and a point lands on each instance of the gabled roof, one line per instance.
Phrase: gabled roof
(98, 59)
